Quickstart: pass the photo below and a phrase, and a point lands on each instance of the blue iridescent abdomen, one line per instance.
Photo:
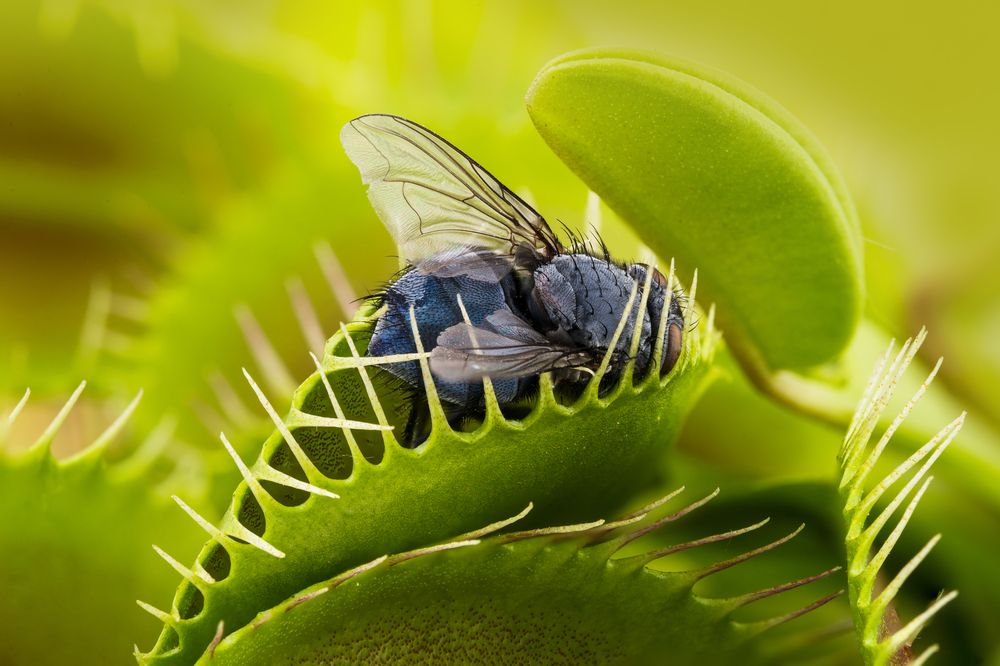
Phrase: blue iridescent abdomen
(435, 304)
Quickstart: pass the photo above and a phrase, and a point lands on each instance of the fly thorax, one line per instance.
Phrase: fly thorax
(585, 297)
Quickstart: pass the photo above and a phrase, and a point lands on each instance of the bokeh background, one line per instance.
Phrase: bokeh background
(172, 188)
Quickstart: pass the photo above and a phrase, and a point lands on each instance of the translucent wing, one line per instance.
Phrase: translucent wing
(433, 197)
(512, 349)
(482, 265)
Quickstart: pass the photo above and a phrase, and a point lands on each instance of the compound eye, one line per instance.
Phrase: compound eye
(539, 315)
(673, 350)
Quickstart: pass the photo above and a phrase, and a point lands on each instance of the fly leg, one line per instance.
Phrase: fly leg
(418, 425)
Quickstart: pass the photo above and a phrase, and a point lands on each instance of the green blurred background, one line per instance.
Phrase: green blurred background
(164, 163)
(134, 134)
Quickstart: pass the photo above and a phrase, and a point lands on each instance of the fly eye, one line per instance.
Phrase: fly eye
(539, 315)
(673, 350)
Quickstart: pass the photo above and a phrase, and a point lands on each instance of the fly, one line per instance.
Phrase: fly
(532, 305)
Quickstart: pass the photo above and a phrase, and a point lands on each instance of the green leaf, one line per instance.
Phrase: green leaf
(574, 459)
(711, 172)
(555, 595)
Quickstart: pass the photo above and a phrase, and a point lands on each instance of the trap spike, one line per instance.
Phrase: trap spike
(232, 406)
(241, 532)
(304, 597)
(657, 524)
(297, 418)
(18, 407)
(909, 632)
(333, 363)
(932, 450)
(185, 573)
(887, 388)
(433, 401)
(162, 616)
(352, 443)
(278, 377)
(854, 470)
(608, 527)
(655, 504)
(202, 573)
(925, 655)
(646, 558)
(745, 599)
(211, 529)
(336, 277)
(497, 526)
(43, 444)
(149, 450)
(710, 324)
(300, 455)
(879, 604)
(868, 537)
(217, 638)
(356, 571)
(387, 438)
(547, 396)
(551, 531)
(593, 387)
(420, 552)
(95, 322)
(306, 314)
(767, 624)
(219, 536)
(252, 483)
(268, 473)
(661, 326)
(725, 564)
(873, 457)
(640, 318)
(687, 340)
(493, 412)
(860, 411)
(96, 449)
(865, 417)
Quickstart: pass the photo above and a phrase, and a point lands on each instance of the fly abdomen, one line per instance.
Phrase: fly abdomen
(435, 305)
(586, 297)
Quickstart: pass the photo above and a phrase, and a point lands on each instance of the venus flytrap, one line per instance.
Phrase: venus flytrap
(707, 169)
(571, 459)
(710, 168)
(559, 594)
(75, 539)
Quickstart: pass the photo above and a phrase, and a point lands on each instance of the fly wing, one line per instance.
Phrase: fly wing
(479, 264)
(514, 349)
(432, 197)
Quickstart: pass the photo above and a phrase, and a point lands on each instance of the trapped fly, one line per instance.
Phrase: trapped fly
(532, 305)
